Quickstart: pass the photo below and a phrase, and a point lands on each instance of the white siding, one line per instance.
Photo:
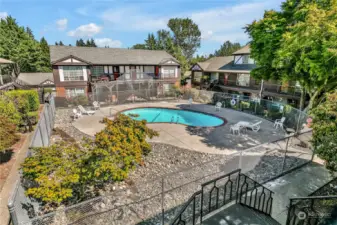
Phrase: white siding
(67, 60)
(85, 74)
(61, 73)
(121, 69)
(76, 61)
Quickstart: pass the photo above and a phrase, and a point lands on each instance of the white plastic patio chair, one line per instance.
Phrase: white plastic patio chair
(190, 101)
(76, 114)
(218, 106)
(96, 105)
(235, 129)
(85, 112)
(279, 123)
(254, 126)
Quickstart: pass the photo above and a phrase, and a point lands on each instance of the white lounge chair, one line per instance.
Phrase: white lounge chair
(76, 114)
(254, 126)
(279, 123)
(236, 129)
(218, 106)
(96, 105)
(86, 112)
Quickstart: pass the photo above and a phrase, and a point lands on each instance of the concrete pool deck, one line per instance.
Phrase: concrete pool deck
(214, 140)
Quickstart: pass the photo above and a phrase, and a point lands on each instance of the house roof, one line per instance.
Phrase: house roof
(35, 79)
(5, 61)
(244, 50)
(114, 56)
(225, 64)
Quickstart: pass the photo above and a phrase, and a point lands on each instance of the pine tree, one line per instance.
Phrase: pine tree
(29, 32)
(61, 43)
(45, 56)
(56, 43)
(80, 43)
(92, 43)
(88, 44)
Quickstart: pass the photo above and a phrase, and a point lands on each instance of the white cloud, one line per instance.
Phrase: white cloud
(216, 24)
(62, 24)
(130, 18)
(82, 11)
(87, 30)
(102, 42)
(3, 15)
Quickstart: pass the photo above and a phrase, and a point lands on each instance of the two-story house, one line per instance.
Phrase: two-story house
(232, 75)
(76, 69)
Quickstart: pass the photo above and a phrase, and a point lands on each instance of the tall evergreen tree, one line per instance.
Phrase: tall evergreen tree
(17, 45)
(29, 32)
(61, 43)
(227, 49)
(151, 42)
(45, 56)
(92, 43)
(56, 43)
(80, 43)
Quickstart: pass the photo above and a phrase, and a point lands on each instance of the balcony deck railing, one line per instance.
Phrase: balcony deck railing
(133, 76)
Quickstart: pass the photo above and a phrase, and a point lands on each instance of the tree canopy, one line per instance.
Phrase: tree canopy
(298, 43)
(88, 43)
(186, 35)
(227, 49)
(324, 126)
(18, 44)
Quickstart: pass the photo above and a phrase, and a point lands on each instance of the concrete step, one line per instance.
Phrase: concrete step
(239, 215)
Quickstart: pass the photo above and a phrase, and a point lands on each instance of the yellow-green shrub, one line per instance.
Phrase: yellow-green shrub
(8, 135)
(25, 100)
(9, 111)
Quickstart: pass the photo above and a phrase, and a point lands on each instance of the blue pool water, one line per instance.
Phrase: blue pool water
(163, 115)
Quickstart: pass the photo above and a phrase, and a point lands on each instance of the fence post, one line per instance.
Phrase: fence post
(12, 213)
(285, 154)
(162, 201)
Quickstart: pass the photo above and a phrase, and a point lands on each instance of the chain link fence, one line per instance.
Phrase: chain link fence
(22, 208)
(159, 200)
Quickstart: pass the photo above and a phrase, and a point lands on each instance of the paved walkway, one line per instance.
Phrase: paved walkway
(215, 140)
(12, 178)
(299, 183)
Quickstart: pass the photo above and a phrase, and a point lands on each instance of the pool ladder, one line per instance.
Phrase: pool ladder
(172, 119)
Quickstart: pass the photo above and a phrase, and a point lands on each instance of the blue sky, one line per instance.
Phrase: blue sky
(124, 23)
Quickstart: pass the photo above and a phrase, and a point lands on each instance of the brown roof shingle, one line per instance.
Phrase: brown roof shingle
(35, 78)
(215, 63)
(244, 50)
(110, 55)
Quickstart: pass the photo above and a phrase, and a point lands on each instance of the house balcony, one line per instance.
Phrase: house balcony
(133, 77)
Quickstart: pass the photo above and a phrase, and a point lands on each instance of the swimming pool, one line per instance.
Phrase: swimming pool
(165, 115)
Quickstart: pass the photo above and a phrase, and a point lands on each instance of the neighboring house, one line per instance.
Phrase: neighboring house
(36, 80)
(232, 75)
(77, 69)
(7, 76)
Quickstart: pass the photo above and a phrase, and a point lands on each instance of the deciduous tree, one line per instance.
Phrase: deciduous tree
(324, 126)
(298, 43)
(186, 35)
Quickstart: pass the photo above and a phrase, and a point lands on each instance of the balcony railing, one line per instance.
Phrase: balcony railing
(133, 76)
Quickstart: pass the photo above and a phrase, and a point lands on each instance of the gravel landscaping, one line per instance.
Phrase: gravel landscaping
(176, 171)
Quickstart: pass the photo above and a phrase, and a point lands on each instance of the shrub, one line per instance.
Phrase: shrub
(33, 99)
(33, 117)
(78, 100)
(8, 135)
(122, 143)
(9, 111)
(66, 172)
(54, 173)
(20, 101)
(47, 90)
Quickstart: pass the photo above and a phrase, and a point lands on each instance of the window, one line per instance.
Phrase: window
(72, 92)
(243, 80)
(73, 73)
(97, 70)
(168, 72)
(106, 69)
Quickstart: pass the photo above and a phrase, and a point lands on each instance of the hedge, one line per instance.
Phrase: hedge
(9, 111)
(25, 100)
(8, 136)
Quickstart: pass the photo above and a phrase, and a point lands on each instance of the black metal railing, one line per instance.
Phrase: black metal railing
(254, 195)
(222, 190)
(312, 210)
